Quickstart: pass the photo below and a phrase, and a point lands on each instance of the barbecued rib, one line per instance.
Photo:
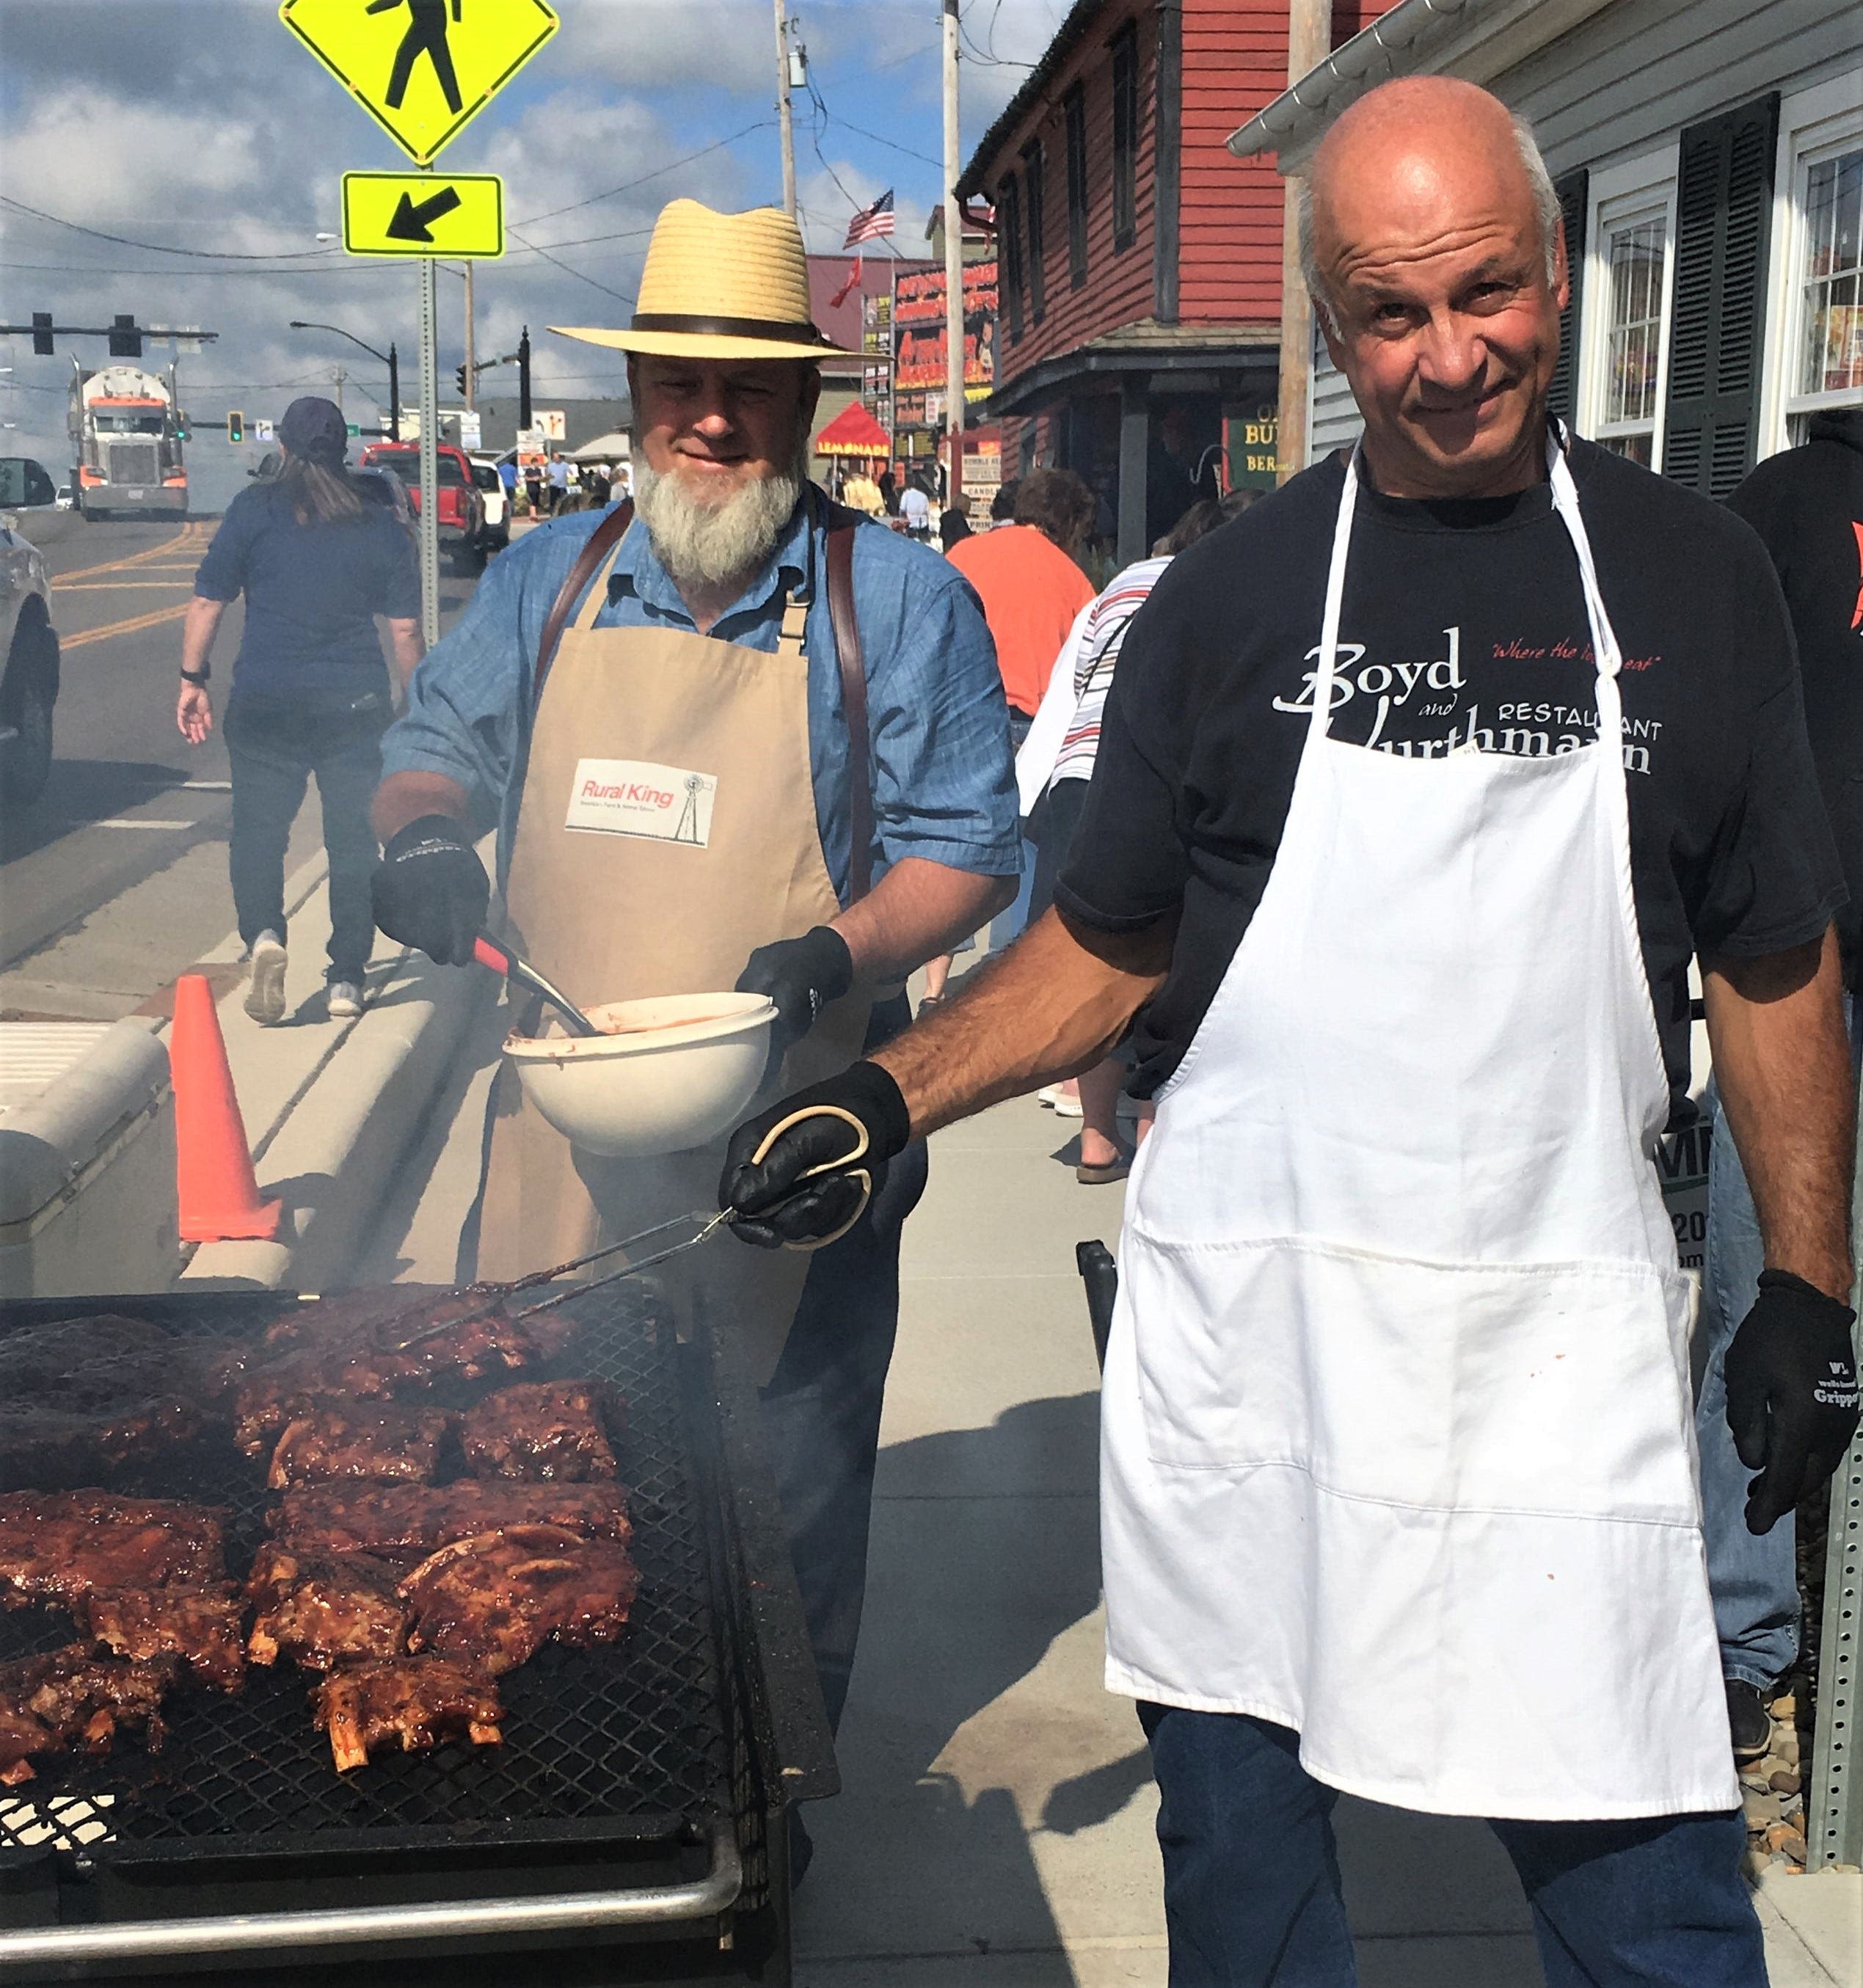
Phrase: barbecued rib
(70, 1695)
(58, 1545)
(391, 1356)
(378, 1518)
(337, 1441)
(544, 1429)
(79, 1396)
(498, 1597)
(420, 1701)
(321, 1609)
(201, 1626)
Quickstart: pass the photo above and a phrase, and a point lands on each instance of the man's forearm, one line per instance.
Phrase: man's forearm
(405, 797)
(1782, 1065)
(918, 910)
(198, 629)
(1050, 1007)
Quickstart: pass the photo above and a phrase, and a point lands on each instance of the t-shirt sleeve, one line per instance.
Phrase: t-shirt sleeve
(401, 594)
(1774, 879)
(1129, 864)
(221, 573)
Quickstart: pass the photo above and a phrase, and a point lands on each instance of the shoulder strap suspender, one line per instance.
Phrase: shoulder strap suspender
(842, 527)
(602, 542)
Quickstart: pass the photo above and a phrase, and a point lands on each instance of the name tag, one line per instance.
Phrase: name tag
(635, 797)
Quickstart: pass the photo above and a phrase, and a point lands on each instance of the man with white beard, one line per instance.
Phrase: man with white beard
(734, 736)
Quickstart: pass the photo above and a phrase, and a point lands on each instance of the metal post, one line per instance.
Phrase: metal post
(953, 268)
(784, 126)
(430, 468)
(339, 376)
(1309, 36)
(523, 379)
(472, 348)
(393, 393)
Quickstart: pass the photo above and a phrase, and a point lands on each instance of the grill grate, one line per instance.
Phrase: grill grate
(625, 1743)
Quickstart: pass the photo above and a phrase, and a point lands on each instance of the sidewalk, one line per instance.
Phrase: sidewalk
(997, 1827)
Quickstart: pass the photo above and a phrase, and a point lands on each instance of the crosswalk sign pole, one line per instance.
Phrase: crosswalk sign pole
(430, 468)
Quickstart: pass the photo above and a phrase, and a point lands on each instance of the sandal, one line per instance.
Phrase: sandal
(1104, 1176)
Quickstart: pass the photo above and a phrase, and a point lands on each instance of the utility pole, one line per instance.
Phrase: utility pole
(953, 269)
(339, 376)
(1309, 38)
(784, 124)
(472, 354)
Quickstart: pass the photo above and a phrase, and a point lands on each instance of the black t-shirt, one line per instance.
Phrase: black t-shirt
(1461, 620)
(1806, 504)
(312, 592)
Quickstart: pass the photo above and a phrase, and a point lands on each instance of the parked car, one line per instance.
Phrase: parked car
(491, 494)
(65, 499)
(29, 682)
(460, 511)
(379, 484)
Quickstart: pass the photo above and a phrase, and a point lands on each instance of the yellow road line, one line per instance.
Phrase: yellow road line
(128, 627)
(118, 585)
(185, 540)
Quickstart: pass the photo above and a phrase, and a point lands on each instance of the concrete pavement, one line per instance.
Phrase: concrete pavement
(997, 1827)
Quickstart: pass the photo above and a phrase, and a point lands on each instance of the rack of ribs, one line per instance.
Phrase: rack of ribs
(49, 1702)
(389, 1355)
(496, 1598)
(58, 1545)
(420, 1701)
(80, 1395)
(320, 1610)
(419, 1518)
(547, 1429)
(336, 1441)
(199, 1627)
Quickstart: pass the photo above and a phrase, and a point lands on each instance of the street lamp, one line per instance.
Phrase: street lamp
(391, 359)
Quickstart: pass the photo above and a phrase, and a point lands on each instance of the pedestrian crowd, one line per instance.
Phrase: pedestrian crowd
(1379, 994)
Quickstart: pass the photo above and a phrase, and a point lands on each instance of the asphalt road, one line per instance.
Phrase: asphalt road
(115, 879)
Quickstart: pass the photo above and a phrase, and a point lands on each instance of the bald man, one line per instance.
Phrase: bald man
(1420, 786)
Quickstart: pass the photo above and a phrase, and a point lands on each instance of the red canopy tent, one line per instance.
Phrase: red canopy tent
(853, 431)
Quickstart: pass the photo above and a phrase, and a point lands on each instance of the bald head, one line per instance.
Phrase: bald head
(1431, 242)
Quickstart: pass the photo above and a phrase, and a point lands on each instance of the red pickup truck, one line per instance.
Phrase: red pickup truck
(462, 509)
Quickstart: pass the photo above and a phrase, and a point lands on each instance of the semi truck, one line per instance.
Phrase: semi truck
(125, 442)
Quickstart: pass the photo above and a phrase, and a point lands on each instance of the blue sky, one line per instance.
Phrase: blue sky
(201, 126)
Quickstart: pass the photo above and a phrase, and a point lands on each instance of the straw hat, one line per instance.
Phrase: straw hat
(720, 286)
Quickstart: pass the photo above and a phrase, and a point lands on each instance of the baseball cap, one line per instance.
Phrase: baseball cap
(314, 428)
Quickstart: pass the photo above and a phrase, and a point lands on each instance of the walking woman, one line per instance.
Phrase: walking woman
(316, 562)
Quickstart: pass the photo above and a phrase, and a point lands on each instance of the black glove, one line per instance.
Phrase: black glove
(1791, 1394)
(430, 890)
(801, 977)
(775, 1200)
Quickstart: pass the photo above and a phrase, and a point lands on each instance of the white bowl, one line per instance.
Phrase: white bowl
(683, 1073)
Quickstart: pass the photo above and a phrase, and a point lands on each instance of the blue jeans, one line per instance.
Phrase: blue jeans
(1252, 1897)
(1754, 1581)
(1007, 925)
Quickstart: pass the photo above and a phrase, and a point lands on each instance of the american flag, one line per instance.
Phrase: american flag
(871, 222)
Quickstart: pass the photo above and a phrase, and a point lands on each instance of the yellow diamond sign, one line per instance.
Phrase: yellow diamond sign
(422, 69)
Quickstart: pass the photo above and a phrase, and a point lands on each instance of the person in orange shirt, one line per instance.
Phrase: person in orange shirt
(1027, 575)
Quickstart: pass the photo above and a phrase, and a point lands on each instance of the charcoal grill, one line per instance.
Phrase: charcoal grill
(638, 1802)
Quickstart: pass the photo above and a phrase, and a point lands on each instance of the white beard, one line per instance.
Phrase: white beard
(710, 545)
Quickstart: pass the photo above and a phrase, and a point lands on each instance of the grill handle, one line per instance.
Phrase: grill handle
(149, 1939)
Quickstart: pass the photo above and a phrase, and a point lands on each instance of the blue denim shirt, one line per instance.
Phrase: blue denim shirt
(944, 781)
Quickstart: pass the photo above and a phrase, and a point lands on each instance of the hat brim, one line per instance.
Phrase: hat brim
(698, 344)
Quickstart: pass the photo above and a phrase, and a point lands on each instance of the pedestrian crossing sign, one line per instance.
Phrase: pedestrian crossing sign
(423, 69)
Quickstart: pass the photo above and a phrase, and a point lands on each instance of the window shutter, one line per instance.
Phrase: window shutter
(1723, 218)
(1574, 192)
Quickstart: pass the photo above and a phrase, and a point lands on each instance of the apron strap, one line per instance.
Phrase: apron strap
(601, 545)
(854, 707)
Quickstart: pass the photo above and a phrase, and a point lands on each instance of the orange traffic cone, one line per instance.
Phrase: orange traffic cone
(216, 1190)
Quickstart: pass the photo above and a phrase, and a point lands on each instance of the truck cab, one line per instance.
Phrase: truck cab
(459, 511)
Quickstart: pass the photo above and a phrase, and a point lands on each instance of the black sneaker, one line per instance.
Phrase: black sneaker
(1749, 1721)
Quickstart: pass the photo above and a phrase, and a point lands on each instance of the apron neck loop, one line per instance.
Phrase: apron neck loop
(1328, 656)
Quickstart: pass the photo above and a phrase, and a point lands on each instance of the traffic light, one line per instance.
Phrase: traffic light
(235, 427)
(42, 334)
(125, 340)
(181, 424)
(458, 374)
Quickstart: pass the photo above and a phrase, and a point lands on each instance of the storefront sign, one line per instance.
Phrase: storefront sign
(918, 342)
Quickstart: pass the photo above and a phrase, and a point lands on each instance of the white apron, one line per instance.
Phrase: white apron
(1397, 1447)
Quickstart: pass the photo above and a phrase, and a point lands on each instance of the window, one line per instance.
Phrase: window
(1074, 106)
(1635, 262)
(1009, 240)
(1034, 176)
(1125, 135)
(1831, 300)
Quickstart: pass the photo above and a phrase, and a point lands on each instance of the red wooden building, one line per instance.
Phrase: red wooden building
(1140, 264)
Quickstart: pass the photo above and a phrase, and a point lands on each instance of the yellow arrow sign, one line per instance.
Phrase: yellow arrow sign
(422, 69)
(457, 215)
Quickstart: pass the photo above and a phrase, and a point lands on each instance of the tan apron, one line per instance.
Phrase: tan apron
(610, 914)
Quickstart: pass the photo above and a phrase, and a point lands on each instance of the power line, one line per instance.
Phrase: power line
(628, 186)
(162, 248)
(625, 296)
